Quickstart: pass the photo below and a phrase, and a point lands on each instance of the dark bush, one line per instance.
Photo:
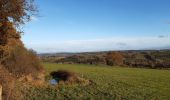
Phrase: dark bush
(64, 75)
(68, 77)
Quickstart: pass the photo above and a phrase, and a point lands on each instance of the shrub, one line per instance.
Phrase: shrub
(22, 62)
(114, 58)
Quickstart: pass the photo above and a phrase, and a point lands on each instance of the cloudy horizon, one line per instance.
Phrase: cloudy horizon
(107, 44)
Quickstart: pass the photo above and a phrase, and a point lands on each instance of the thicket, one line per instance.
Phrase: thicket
(22, 62)
(15, 59)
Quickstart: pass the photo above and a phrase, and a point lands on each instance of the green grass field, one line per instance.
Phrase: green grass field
(111, 83)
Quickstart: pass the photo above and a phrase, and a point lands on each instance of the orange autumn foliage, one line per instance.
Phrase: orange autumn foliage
(114, 58)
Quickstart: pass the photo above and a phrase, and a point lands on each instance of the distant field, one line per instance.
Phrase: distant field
(111, 83)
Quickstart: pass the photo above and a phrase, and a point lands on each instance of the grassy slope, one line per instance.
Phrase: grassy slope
(111, 83)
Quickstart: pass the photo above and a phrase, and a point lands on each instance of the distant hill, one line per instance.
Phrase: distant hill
(67, 54)
(135, 58)
(64, 54)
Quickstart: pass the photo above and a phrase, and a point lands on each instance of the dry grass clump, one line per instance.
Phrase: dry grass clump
(68, 77)
(7, 82)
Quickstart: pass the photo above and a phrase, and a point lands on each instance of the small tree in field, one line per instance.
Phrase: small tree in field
(114, 58)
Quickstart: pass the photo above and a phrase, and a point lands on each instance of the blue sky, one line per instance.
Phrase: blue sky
(98, 25)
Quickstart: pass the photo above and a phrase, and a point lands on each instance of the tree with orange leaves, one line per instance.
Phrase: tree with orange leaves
(114, 58)
(13, 13)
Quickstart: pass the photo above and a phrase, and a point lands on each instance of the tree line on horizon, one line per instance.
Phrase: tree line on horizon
(141, 59)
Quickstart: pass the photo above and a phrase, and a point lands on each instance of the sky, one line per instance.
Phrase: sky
(98, 25)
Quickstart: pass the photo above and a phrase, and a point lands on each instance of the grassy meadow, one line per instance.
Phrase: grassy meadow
(109, 83)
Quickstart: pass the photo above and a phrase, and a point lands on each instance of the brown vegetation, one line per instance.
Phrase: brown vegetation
(7, 82)
(15, 60)
(114, 58)
(22, 62)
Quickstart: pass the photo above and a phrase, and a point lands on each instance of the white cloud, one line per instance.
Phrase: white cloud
(116, 43)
